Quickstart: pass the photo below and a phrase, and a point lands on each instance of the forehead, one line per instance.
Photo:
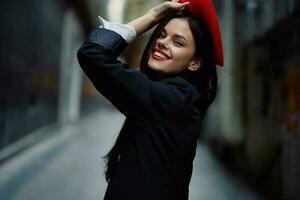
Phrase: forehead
(179, 26)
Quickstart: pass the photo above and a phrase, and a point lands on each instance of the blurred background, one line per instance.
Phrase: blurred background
(54, 126)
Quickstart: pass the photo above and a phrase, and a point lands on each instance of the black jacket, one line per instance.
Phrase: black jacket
(162, 122)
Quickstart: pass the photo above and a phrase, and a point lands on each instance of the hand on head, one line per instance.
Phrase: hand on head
(164, 8)
(155, 14)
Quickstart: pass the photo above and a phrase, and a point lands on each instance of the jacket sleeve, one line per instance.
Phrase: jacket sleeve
(129, 90)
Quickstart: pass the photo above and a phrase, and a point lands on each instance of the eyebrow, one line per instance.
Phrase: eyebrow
(175, 35)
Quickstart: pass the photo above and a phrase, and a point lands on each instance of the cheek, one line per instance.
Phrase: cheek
(182, 57)
(177, 65)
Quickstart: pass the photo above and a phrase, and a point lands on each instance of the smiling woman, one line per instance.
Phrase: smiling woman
(174, 49)
(164, 102)
(191, 40)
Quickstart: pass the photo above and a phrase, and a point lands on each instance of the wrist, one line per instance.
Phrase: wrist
(143, 23)
(151, 15)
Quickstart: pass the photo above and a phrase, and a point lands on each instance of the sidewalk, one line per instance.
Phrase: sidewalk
(68, 166)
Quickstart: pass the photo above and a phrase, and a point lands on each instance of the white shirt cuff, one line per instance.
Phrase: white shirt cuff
(126, 31)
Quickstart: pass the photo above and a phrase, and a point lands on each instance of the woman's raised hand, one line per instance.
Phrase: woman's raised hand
(145, 22)
(164, 8)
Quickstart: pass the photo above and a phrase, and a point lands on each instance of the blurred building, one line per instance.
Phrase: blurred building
(40, 80)
(254, 123)
(29, 58)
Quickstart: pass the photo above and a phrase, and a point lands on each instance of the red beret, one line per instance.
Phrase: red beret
(204, 10)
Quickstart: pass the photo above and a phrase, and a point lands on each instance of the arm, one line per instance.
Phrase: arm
(142, 24)
(147, 21)
(129, 90)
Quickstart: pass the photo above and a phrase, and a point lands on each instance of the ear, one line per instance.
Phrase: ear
(195, 64)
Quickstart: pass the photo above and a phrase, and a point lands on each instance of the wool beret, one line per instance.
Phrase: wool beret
(204, 10)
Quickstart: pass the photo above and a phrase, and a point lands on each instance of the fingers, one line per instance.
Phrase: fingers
(176, 4)
(178, 1)
(162, 9)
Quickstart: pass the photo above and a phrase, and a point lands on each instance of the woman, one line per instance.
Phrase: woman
(164, 102)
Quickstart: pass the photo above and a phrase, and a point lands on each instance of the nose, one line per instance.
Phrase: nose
(162, 43)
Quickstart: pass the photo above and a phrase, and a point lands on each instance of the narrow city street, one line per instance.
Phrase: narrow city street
(68, 166)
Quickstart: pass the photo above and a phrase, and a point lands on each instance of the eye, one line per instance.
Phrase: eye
(178, 43)
(162, 35)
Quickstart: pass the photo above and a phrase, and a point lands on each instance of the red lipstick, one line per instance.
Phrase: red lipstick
(160, 55)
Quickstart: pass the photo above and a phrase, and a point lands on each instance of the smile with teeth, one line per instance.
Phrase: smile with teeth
(157, 55)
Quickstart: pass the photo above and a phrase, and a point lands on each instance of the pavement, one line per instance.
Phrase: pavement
(68, 165)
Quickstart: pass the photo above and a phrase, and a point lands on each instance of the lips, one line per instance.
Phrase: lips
(160, 55)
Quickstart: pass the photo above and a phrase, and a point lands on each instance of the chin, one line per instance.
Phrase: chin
(157, 67)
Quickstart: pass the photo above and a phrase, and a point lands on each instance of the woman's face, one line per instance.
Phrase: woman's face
(173, 51)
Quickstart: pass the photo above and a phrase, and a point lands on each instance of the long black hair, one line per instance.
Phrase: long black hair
(204, 79)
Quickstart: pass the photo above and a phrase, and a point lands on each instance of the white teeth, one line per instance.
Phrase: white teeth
(160, 55)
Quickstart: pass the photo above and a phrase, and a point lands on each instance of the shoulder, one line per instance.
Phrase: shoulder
(175, 95)
(181, 86)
